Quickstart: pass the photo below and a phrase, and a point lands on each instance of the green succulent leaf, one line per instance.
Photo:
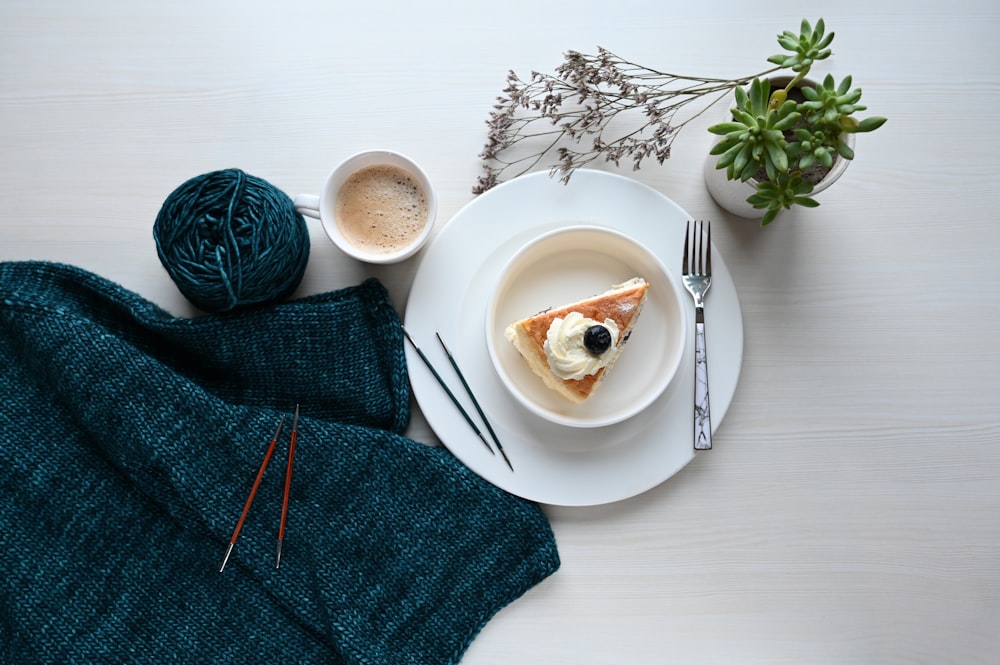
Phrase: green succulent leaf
(788, 41)
(745, 118)
(776, 156)
(741, 97)
(749, 170)
(805, 202)
(871, 124)
(788, 122)
(728, 156)
(759, 94)
(720, 148)
(844, 150)
(770, 170)
(725, 128)
(769, 216)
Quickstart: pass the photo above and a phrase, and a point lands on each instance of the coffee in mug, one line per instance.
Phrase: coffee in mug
(381, 209)
(377, 206)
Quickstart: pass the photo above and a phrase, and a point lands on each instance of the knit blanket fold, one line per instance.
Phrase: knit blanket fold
(129, 440)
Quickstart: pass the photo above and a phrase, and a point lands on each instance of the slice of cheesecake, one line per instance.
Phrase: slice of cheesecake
(573, 347)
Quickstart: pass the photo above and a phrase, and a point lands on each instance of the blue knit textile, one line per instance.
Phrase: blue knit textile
(128, 443)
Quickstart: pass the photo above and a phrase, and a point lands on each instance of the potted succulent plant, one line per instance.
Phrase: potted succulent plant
(784, 145)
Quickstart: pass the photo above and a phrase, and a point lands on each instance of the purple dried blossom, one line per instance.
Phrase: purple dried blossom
(627, 111)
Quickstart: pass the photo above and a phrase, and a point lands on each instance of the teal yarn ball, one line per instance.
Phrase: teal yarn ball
(230, 240)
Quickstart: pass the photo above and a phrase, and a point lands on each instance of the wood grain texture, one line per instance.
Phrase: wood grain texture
(849, 510)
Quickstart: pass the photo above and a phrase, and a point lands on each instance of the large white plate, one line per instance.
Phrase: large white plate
(555, 464)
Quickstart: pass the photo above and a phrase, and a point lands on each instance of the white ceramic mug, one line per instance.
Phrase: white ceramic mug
(325, 207)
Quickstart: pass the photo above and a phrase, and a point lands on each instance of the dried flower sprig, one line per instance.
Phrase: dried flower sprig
(593, 107)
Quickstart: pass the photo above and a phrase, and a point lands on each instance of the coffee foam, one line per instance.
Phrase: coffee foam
(381, 209)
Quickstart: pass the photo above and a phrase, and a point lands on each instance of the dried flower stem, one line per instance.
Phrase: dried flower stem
(581, 114)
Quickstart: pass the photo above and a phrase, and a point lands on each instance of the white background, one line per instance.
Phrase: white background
(849, 510)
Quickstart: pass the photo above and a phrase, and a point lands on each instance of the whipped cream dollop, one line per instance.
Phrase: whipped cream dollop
(565, 350)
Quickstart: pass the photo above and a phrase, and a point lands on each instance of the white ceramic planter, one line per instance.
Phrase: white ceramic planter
(731, 195)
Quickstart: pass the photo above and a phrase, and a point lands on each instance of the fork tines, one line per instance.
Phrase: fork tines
(700, 249)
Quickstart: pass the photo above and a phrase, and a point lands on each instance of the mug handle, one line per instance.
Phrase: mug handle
(307, 204)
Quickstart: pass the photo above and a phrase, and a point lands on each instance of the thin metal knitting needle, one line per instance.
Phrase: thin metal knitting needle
(253, 493)
(475, 402)
(451, 395)
(288, 487)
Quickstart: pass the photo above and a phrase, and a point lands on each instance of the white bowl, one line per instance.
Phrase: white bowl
(571, 264)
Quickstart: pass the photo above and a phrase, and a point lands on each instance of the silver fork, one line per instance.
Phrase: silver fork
(697, 277)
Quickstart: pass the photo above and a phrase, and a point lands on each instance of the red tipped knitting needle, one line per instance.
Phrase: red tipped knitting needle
(288, 487)
(253, 493)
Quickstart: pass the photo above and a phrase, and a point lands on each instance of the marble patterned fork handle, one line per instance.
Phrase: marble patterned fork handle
(702, 410)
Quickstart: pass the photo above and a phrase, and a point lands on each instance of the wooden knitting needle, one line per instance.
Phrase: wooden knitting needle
(288, 487)
(253, 493)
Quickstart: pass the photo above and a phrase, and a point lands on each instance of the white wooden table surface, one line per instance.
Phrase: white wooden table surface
(850, 511)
